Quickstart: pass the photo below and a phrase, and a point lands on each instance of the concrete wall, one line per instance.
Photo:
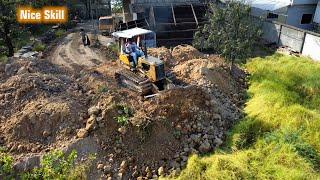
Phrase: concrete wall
(316, 18)
(271, 32)
(302, 41)
(295, 13)
(311, 47)
(292, 38)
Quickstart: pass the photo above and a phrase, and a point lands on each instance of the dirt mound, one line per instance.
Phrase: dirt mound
(164, 54)
(210, 72)
(38, 102)
(45, 106)
(183, 53)
(161, 132)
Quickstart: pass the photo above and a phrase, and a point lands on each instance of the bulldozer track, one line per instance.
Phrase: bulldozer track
(133, 81)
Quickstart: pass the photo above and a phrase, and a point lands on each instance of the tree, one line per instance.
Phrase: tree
(7, 23)
(116, 6)
(231, 32)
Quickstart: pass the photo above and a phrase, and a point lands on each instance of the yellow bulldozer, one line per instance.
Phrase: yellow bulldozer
(148, 75)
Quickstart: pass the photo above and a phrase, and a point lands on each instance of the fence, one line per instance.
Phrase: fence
(305, 42)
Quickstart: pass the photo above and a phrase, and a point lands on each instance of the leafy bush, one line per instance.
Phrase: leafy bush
(279, 137)
(3, 59)
(54, 165)
(125, 114)
(60, 32)
(6, 166)
(38, 47)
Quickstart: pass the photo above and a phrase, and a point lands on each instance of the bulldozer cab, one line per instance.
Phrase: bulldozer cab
(150, 66)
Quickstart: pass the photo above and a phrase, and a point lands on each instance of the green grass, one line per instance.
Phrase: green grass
(3, 59)
(53, 165)
(39, 47)
(279, 138)
(60, 32)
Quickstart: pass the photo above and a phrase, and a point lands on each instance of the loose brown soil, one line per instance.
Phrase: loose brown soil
(49, 104)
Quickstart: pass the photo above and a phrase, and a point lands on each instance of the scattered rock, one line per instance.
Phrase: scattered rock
(27, 163)
(82, 133)
(46, 134)
(100, 166)
(107, 168)
(205, 147)
(91, 123)
(94, 110)
(161, 171)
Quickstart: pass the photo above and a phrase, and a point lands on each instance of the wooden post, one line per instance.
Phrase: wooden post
(194, 14)
(173, 15)
(153, 20)
(279, 35)
(303, 41)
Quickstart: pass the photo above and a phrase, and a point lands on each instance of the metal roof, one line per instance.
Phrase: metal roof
(105, 17)
(129, 33)
(269, 5)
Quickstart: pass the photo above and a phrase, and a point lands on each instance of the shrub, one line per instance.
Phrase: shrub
(6, 166)
(125, 114)
(54, 165)
(38, 47)
(60, 32)
(3, 59)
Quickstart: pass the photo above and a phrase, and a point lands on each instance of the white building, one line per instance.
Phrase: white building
(316, 18)
(298, 13)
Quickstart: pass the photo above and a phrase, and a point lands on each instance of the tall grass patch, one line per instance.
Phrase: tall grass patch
(280, 136)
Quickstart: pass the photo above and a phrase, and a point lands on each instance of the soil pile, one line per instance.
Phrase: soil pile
(160, 133)
(40, 105)
(45, 106)
(183, 53)
(211, 72)
(164, 54)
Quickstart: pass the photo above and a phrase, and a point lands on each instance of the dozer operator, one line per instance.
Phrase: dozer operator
(134, 51)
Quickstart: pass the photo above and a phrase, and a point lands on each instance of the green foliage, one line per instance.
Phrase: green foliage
(103, 89)
(3, 59)
(231, 32)
(6, 166)
(112, 51)
(280, 136)
(54, 165)
(116, 6)
(60, 32)
(38, 47)
(80, 171)
(8, 25)
(124, 115)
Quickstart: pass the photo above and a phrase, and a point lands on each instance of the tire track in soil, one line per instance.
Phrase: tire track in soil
(72, 53)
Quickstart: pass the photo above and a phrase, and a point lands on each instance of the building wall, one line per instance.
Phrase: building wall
(311, 47)
(299, 40)
(164, 2)
(316, 18)
(295, 13)
(304, 2)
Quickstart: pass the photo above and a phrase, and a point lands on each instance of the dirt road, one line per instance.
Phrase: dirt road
(71, 52)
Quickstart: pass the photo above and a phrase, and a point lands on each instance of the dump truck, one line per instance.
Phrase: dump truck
(107, 24)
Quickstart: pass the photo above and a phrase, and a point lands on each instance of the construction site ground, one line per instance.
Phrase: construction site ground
(69, 99)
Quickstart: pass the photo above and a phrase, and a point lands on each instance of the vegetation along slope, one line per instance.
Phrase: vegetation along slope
(279, 138)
